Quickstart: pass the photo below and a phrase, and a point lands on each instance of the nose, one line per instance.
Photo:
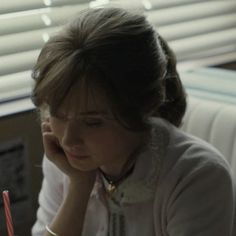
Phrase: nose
(72, 137)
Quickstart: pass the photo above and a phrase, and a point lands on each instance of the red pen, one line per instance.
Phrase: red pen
(6, 203)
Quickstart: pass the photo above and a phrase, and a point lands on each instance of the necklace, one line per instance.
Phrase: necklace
(113, 184)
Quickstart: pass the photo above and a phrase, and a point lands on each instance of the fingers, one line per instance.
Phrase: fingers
(51, 144)
(46, 127)
(52, 148)
(55, 153)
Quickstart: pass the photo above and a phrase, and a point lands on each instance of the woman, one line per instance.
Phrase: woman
(116, 162)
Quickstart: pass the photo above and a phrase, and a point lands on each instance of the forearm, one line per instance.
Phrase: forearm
(70, 216)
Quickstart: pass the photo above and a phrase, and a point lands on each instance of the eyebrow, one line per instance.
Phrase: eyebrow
(90, 113)
(102, 112)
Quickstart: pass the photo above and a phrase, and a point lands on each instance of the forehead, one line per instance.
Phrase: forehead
(82, 99)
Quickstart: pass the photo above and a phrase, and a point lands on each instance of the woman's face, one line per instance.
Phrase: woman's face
(91, 137)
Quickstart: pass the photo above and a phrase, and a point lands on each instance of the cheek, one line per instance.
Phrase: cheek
(109, 143)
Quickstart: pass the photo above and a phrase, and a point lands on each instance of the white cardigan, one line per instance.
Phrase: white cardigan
(181, 186)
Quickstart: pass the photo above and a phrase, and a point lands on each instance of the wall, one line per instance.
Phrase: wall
(20, 172)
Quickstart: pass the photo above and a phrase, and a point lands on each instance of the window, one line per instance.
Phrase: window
(200, 32)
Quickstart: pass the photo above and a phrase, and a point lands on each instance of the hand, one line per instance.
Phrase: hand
(55, 153)
(70, 216)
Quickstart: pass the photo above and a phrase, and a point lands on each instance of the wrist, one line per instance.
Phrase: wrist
(80, 186)
(83, 179)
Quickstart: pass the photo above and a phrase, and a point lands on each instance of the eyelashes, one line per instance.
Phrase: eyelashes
(91, 122)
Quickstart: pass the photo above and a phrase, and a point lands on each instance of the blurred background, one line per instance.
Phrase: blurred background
(202, 33)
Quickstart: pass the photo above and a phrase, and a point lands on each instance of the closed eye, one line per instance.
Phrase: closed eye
(60, 118)
(93, 122)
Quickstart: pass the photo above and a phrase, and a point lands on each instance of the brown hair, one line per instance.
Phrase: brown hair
(119, 51)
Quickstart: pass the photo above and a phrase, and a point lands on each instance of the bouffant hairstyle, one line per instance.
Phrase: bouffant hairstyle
(119, 51)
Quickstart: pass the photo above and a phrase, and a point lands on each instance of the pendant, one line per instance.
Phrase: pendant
(111, 188)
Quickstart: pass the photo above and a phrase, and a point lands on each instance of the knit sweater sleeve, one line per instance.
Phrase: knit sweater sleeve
(200, 200)
(50, 197)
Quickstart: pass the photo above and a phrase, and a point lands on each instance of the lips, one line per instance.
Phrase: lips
(73, 156)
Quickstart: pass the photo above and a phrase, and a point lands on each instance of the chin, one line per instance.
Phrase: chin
(82, 166)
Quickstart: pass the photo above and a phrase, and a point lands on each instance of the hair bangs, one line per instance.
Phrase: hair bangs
(55, 83)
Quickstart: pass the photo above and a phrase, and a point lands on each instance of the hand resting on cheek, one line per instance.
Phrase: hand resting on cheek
(56, 154)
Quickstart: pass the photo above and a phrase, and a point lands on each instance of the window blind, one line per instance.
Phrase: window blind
(201, 33)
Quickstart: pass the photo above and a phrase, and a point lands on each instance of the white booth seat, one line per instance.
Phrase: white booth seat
(215, 122)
